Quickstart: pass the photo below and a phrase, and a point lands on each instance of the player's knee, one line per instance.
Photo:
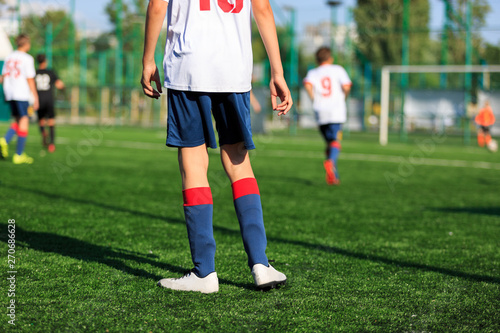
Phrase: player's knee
(234, 153)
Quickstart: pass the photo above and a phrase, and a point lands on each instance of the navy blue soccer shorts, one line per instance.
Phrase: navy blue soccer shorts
(19, 108)
(330, 131)
(190, 119)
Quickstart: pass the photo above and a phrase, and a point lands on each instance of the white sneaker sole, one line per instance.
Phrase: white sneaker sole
(267, 278)
(271, 285)
(190, 282)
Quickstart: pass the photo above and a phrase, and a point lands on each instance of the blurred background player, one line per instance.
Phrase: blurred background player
(257, 117)
(46, 79)
(328, 86)
(18, 75)
(208, 72)
(485, 119)
(254, 102)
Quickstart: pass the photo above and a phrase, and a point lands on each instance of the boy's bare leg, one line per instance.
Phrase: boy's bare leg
(193, 165)
(481, 138)
(236, 162)
(41, 124)
(51, 122)
(23, 123)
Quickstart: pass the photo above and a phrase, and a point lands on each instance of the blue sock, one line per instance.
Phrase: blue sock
(21, 142)
(249, 211)
(11, 132)
(198, 211)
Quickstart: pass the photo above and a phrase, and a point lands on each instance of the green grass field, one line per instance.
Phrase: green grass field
(408, 243)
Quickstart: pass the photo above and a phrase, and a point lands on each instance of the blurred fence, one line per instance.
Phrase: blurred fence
(110, 105)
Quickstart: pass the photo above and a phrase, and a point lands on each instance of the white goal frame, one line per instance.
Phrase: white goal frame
(386, 83)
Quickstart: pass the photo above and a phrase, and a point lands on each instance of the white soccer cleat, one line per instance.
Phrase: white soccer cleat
(190, 282)
(492, 146)
(267, 277)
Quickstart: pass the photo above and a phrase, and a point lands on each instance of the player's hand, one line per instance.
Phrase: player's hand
(280, 89)
(150, 74)
(257, 108)
(36, 104)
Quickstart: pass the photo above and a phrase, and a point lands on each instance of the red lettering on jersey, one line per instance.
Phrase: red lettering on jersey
(326, 84)
(230, 8)
(204, 5)
(13, 68)
(225, 5)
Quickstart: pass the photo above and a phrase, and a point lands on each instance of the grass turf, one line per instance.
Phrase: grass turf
(407, 243)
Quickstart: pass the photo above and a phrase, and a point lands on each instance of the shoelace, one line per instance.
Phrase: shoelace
(186, 275)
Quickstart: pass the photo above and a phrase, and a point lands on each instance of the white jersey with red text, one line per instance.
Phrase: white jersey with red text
(329, 99)
(208, 47)
(18, 67)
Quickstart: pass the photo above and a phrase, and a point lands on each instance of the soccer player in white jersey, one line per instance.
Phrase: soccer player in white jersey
(18, 76)
(208, 70)
(328, 86)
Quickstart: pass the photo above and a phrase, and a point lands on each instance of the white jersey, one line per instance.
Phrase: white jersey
(208, 46)
(329, 98)
(18, 67)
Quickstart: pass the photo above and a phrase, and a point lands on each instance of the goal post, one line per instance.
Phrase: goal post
(386, 84)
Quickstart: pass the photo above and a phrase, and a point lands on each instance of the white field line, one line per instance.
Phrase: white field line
(386, 159)
(312, 155)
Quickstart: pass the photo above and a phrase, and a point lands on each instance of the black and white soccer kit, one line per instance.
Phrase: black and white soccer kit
(45, 81)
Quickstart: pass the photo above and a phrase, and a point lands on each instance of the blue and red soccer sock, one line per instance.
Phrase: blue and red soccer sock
(21, 141)
(333, 152)
(21, 137)
(248, 208)
(198, 211)
(11, 132)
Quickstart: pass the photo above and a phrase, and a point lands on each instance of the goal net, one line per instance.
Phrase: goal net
(436, 107)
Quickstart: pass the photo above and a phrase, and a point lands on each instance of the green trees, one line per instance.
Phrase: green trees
(380, 29)
(127, 18)
(456, 36)
(53, 22)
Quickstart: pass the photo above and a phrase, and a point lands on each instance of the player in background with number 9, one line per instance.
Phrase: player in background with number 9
(328, 86)
(18, 76)
(208, 70)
